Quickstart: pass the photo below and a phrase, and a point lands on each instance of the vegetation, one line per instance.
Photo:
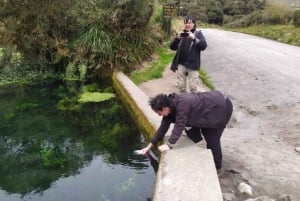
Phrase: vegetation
(156, 68)
(91, 38)
(282, 33)
(206, 79)
(95, 97)
(71, 40)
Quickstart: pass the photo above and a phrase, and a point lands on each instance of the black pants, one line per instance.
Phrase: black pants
(213, 136)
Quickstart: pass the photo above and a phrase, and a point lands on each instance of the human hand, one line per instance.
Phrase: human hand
(163, 148)
(192, 35)
(145, 150)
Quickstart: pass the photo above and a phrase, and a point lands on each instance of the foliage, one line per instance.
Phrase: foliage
(40, 30)
(112, 138)
(296, 18)
(282, 33)
(81, 34)
(18, 75)
(95, 97)
(9, 116)
(215, 13)
(94, 51)
(90, 88)
(52, 157)
(69, 103)
(277, 14)
(26, 106)
(242, 7)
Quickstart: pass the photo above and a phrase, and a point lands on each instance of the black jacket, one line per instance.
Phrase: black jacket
(202, 110)
(193, 59)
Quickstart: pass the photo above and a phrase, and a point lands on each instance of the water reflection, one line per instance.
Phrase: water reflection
(47, 154)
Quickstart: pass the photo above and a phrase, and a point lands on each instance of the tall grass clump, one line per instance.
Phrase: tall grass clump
(277, 14)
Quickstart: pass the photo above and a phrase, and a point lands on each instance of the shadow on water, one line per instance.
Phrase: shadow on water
(82, 154)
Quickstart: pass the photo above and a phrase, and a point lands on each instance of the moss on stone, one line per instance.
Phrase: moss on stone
(136, 114)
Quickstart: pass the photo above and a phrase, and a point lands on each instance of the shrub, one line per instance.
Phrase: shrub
(277, 14)
(296, 18)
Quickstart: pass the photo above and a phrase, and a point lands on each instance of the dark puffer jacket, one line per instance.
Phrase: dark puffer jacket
(193, 60)
(202, 110)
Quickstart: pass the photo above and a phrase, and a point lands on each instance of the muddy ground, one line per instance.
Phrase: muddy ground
(262, 77)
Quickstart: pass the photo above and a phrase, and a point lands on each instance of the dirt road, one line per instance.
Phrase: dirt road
(262, 77)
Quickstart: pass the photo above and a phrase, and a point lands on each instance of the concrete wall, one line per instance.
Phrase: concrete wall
(187, 172)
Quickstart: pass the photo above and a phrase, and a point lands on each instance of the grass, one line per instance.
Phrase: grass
(206, 79)
(155, 69)
(282, 33)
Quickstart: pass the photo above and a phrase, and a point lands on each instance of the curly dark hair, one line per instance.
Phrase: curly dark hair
(159, 101)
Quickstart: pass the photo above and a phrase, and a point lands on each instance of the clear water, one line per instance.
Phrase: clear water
(47, 154)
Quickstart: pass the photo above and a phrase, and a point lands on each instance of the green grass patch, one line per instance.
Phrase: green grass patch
(282, 33)
(155, 69)
(206, 79)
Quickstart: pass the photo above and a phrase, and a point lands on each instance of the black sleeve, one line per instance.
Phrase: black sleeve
(200, 40)
(174, 44)
(161, 131)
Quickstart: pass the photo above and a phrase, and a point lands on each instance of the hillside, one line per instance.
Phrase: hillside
(289, 3)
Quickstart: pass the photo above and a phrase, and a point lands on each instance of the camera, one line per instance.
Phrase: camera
(184, 34)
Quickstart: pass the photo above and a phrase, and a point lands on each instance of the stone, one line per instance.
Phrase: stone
(228, 196)
(245, 188)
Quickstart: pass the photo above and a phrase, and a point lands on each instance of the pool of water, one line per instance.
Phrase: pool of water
(51, 154)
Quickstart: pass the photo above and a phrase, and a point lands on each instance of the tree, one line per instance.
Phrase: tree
(39, 30)
(50, 34)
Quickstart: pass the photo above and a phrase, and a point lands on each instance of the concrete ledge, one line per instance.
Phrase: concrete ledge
(187, 172)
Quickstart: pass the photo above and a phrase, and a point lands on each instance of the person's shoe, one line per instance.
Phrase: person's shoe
(220, 172)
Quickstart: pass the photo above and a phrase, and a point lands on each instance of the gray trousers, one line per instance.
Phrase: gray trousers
(187, 76)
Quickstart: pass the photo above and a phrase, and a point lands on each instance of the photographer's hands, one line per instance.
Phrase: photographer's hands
(182, 34)
(191, 35)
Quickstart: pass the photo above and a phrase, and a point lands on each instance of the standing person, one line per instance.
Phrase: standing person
(188, 45)
(208, 111)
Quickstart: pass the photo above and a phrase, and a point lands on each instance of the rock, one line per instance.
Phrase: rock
(297, 149)
(228, 197)
(261, 198)
(284, 198)
(245, 188)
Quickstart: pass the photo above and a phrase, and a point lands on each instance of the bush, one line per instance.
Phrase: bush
(296, 18)
(277, 14)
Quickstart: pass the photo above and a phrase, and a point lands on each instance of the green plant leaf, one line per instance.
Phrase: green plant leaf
(95, 97)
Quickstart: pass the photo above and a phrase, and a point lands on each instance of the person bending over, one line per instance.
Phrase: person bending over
(206, 111)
